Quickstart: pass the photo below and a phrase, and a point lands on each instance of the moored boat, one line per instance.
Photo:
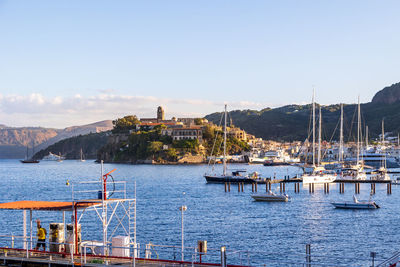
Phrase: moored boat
(271, 197)
(356, 204)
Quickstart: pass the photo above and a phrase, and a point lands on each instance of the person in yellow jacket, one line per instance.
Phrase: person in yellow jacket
(41, 234)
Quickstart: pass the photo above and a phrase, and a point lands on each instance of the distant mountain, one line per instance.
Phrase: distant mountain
(292, 122)
(13, 141)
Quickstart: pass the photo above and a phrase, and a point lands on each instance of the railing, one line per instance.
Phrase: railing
(97, 252)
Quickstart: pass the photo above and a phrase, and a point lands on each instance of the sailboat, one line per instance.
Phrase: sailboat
(82, 158)
(29, 160)
(381, 173)
(235, 176)
(319, 174)
(355, 172)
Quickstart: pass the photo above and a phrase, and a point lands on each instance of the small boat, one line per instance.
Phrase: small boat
(271, 197)
(356, 204)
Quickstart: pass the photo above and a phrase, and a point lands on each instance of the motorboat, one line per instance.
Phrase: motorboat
(356, 204)
(271, 197)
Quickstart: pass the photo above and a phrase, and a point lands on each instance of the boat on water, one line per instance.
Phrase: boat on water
(236, 176)
(356, 171)
(52, 157)
(82, 157)
(356, 204)
(271, 197)
(319, 174)
(29, 160)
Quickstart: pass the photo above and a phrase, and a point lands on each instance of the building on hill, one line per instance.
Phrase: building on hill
(237, 133)
(184, 133)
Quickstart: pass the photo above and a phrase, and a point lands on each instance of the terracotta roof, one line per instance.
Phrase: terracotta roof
(42, 205)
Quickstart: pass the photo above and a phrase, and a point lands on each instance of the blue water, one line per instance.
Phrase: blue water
(275, 233)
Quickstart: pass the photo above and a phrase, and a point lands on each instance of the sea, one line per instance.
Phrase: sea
(254, 233)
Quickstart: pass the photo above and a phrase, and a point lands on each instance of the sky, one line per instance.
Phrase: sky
(65, 63)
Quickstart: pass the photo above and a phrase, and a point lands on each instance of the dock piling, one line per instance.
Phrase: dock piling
(308, 255)
(252, 187)
(242, 186)
(238, 187)
(284, 187)
(226, 187)
(389, 188)
(255, 186)
(229, 187)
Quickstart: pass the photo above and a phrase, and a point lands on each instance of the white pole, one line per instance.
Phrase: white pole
(225, 143)
(313, 129)
(24, 227)
(319, 136)
(341, 135)
(182, 208)
(30, 218)
(358, 132)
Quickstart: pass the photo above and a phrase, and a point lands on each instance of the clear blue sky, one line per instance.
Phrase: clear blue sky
(191, 56)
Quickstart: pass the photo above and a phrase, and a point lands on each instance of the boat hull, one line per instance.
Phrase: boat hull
(317, 179)
(346, 205)
(270, 198)
(228, 179)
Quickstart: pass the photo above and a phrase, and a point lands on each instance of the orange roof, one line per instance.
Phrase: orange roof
(42, 205)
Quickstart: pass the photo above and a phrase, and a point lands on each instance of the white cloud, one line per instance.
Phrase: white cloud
(60, 112)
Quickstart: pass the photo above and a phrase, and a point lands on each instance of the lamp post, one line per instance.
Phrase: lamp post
(182, 209)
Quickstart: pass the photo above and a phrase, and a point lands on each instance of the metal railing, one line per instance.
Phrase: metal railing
(97, 251)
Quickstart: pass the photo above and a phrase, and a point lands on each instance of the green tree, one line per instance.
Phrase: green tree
(155, 147)
(125, 124)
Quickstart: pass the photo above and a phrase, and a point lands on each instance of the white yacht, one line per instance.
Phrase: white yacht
(53, 157)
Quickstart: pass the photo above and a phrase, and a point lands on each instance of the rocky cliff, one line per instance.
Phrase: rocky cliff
(388, 95)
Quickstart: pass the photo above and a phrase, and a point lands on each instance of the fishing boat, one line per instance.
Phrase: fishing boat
(356, 204)
(236, 176)
(271, 197)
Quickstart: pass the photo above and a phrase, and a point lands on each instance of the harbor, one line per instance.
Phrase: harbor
(253, 233)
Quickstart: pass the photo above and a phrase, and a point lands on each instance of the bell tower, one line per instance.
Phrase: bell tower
(160, 114)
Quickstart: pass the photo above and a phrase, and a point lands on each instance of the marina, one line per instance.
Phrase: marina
(221, 218)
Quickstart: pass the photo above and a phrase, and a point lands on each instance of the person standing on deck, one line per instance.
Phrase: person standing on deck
(41, 234)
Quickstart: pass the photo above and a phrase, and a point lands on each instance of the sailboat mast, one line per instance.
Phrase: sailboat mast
(319, 136)
(366, 137)
(358, 131)
(383, 141)
(313, 129)
(225, 143)
(341, 135)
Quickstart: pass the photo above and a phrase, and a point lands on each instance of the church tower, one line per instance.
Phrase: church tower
(160, 114)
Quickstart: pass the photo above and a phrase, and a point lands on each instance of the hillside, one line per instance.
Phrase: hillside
(70, 148)
(13, 140)
(292, 122)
